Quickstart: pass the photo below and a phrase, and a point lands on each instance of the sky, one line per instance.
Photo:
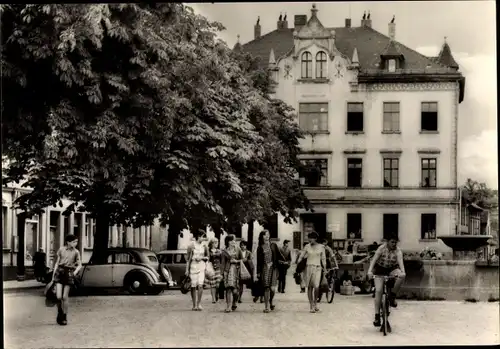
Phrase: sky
(469, 28)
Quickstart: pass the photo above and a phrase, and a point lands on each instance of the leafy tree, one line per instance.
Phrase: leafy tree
(135, 111)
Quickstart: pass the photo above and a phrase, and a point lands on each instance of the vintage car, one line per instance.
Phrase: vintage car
(176, 261)
(136, 270)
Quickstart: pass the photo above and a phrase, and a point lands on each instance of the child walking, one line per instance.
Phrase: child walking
(68, 264)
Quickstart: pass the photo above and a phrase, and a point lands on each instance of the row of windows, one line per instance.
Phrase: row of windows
(315, 172)
(307, 65)
(391, 225)
(313, 117)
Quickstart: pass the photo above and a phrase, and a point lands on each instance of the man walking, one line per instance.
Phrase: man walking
(284, 260)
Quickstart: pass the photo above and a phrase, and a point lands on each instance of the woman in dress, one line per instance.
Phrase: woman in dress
(195, 268)
(231, 258)
(248, 262)
(215, 256)
(267, 268)
(316, 262)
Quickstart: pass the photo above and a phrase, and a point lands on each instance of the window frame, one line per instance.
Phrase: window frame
(428, 170)
(323, 180)
(429, 113)
(5, 230)
(391, 113)
(391, 68)
(391, 168)
(131, 257)
(385, 233)
(321, 65)
(351, 114)
(355, 162)
(306, 65)
(424, 230)
(306, 117)
(349, 217)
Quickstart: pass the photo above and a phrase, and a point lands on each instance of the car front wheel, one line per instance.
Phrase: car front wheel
(137, 284)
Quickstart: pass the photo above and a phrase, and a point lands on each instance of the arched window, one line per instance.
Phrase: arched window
(306, 65)
(321, 65)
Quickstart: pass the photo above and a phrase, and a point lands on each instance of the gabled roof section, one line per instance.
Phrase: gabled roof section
(370, 45)
(392, 50)
(446, 58)
(313, 28)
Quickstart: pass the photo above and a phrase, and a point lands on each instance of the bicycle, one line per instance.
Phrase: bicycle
(385, 304)
(330, 277)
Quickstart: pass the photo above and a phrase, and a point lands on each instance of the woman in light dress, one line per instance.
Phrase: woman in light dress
(267, 268)
(316, 263)
(197, 258)
(231, 259)
(215, 256)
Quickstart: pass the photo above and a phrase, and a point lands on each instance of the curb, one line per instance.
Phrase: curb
(21, 289)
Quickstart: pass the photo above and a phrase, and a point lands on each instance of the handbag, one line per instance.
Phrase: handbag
(209, 271)
(50, 294)
(244, 273)
(301, 266)
(298, 278)
(323, 286)
(185, 284)
(221, 289)
(257, 289)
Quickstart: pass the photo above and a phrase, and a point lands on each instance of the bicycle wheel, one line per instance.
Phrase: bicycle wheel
(331, 290)
(384, 314)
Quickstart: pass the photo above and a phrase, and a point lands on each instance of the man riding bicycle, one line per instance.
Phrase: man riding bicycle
(387, 261)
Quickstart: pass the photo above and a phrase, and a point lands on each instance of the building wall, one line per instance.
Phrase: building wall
(40, 232)
(372, 224)
(372, 200)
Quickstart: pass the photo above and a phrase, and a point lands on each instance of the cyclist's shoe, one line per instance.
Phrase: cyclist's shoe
(392, 300)
(377, 322)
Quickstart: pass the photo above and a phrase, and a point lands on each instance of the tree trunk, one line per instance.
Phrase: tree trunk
(173, 236)
(21, 219)
(101, 238)
(250, 234)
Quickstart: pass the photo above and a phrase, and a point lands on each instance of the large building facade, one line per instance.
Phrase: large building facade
(381, 130)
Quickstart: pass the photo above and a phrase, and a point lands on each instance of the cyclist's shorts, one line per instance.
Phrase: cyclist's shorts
(381, 271)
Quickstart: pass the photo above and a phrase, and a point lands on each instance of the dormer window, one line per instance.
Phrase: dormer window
(306, 65)
(321, 65)
(391, 65)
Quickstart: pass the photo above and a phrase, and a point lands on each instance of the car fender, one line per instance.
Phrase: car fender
(142, 271)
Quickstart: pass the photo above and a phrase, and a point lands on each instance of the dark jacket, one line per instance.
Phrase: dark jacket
(260, 257)
(284, 258)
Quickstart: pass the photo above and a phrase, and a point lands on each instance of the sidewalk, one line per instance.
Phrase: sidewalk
(15, 285)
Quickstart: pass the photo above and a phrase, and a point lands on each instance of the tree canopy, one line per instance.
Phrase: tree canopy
(137, 111)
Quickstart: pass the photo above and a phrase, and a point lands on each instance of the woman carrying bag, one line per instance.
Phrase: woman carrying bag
(231, 265)
(267, 268)
(247, 262)
(195, 268)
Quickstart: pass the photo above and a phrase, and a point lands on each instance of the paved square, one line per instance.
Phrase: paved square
(167, 321)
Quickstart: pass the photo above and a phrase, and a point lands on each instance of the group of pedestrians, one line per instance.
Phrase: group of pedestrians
(221, 269)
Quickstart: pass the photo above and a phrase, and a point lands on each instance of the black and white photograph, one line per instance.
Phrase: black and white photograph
(255, 174)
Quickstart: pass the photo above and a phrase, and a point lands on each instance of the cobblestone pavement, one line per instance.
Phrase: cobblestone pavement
(167, 321)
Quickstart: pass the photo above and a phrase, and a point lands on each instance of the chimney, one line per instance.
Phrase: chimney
(366, 21)
(347, 22)
(284, 23)
(299, 21)
(279, 24)
(392, 29)
(256, 29)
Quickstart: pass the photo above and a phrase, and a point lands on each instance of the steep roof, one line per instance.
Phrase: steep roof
(369, 43)
(446, 58)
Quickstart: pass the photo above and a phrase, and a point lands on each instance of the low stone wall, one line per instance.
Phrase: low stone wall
(452, 280)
